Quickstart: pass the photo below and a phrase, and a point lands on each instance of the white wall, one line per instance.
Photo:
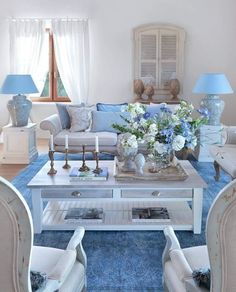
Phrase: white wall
(210, 43)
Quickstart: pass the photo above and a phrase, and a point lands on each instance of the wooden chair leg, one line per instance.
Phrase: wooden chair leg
(217, 169)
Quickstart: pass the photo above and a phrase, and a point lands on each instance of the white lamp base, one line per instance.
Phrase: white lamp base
(215, 106)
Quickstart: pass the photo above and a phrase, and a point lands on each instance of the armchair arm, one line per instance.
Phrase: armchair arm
(75, 243)
(231, 135)
(51, 124)
(171, 243)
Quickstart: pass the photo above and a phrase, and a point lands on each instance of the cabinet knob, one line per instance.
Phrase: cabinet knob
(76, 194)
(156, 194)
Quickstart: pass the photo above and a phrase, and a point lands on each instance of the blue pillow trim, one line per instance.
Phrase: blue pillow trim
(110, 107)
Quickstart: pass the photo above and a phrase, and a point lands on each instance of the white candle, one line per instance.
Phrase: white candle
(51, 143)
(96, 144)
(66, 141)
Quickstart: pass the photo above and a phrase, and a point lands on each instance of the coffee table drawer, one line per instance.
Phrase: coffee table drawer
(76, 194)
(157, 194)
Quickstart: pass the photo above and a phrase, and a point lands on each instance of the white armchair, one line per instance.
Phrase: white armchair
(219, 254)
(65, 269)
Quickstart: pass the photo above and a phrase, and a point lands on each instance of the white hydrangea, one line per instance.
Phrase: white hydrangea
(142, 122)
(135, 125)
(178, 143)
(152, 129)
(149, 138)
(131, 141)
(160, 147)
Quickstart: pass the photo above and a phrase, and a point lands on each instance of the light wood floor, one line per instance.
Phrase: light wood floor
(9, 171)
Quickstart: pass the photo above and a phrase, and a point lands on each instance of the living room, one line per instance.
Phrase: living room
(125, 260)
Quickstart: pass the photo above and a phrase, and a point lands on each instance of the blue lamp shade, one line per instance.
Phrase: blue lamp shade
(18, 84)
(212, 83)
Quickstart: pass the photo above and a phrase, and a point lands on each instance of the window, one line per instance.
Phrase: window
(53, 89)
(159, 56)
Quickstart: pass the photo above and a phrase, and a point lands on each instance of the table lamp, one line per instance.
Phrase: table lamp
(213, 84)
(19, 107)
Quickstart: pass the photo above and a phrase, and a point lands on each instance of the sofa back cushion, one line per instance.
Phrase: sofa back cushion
(111, 107)
(102, 121)
(64, 115)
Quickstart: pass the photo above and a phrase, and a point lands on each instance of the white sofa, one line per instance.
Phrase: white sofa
(107, 140)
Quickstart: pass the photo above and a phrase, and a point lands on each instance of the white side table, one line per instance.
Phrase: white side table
(19, 144)
(208, 135)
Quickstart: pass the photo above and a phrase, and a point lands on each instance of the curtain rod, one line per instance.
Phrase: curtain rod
(47, 18)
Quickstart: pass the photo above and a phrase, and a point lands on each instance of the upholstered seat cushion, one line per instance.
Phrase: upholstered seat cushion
(56, 263)
(59, 265)
(86, 138)
(225, 156)
(182, 262)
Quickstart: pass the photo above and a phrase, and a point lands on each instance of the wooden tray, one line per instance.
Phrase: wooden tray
(171, 173)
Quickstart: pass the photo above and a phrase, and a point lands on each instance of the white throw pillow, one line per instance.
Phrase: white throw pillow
(80, 118)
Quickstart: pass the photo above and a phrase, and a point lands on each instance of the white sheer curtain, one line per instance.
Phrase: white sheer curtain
(28, 50)
(71, 41)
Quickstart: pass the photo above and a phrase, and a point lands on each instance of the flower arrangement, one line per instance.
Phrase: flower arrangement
(166, 130)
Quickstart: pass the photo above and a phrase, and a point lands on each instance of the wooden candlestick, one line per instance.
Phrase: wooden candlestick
(66, 165)
(84, 167)
(97, 169)
(52, 170)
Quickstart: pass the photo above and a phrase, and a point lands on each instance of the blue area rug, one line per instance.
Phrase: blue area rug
(123, 260)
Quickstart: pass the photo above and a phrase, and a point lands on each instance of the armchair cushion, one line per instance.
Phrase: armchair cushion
(56, 263)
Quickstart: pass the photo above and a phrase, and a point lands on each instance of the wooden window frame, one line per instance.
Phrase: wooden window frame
(53, 73)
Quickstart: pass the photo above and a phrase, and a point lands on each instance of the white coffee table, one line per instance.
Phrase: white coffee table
(116, 199)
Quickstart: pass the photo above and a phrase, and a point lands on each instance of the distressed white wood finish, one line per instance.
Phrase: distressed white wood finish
(119, 196)
(208, 135)
(19, 144)
(220, 238)
(16, 239)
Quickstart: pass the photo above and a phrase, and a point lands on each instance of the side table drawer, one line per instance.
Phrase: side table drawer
(156, 193)
(76, 194)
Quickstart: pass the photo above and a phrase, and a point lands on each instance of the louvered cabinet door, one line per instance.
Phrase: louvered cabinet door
(149, 57)
(168, 53)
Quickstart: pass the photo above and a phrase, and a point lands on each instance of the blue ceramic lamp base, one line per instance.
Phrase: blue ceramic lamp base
(19, 108)
(215, 107)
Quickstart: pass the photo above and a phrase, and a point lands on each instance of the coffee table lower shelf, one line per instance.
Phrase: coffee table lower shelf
(117, 216)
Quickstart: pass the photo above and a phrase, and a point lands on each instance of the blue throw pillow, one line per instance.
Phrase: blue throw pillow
(63, 114)
(153, 110)
(110, 107)
(102, 121)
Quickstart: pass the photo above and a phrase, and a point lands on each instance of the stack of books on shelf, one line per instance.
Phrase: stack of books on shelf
(84, 215)
(76, 175)
(150, 214)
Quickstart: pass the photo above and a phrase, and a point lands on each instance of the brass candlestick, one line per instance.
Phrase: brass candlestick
(52, 170)
(84, 167)
(66, 165)
(97, 169)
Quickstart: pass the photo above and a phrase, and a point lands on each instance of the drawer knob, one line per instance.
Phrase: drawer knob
(76, 194)
(156, 194)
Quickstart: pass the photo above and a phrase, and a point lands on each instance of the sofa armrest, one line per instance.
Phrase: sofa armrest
(51, 124)
(231, 135)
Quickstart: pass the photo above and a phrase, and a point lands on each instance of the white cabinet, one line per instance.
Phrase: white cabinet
(208, 135)
(19, 144)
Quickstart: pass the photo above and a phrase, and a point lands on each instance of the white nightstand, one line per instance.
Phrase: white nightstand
(19, 144)
(208, 135)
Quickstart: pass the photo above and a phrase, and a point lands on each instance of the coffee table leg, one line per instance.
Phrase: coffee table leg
(37, 204)
(197, 210)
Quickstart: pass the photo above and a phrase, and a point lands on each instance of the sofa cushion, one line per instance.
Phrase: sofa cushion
(102, 121)
(111, 107)
(64, 115)
(80, 118)
(85, 138)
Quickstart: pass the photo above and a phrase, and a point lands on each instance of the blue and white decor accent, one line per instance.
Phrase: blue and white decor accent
(19, 107)
(213, 84)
